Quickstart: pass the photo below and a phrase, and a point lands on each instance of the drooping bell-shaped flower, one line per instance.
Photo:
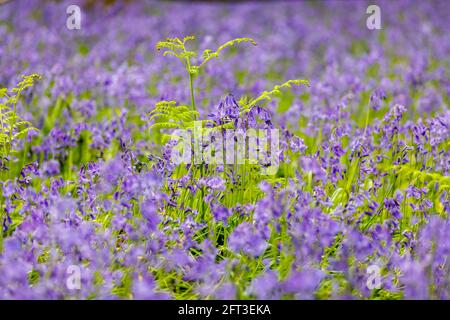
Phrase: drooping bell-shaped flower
(227, 110)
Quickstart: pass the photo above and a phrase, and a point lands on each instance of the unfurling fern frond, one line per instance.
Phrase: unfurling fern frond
(165, 125)
(413, 175)
(23, 133)
(12, 126)
(209, 54)
(267, 95)
(177, 48)
(3, 92)
(4, 138)
(167, 115)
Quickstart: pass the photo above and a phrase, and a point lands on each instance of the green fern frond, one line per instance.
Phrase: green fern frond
(170, 44)
(161, 117)
(3, 92)
(165, 125)
(267, 95)
(416, 175)
(4, 138)
(12, 126)
(188, 38)
(168, 115)
(177, 48)
(200, 123)
(7, 113)
(24, 132)
(209, 54)
(225, 126)
(165, 138)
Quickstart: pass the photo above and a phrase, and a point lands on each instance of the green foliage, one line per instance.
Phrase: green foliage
(267, 95)
(413, 175)
(168, 115)
(177, 48)
(13, 127)
(208, 54)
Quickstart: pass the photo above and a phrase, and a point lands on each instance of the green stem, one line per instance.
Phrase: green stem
(191, 87)
(367, 120)
(191, 78)
(24, 155)
(68, 173)
(16, 99)
(1, 223)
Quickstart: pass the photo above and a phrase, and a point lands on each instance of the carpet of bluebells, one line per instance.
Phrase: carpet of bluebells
(358, 209)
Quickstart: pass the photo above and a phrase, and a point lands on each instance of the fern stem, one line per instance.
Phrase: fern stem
(367, 120)
(16, 99)
(191, 87)
(3, 129)
(1, 223)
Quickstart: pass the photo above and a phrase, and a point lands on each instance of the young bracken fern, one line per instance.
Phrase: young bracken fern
(13, 127)
(267, 95)
(177, 47)
(167, 115)
(171, 116)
